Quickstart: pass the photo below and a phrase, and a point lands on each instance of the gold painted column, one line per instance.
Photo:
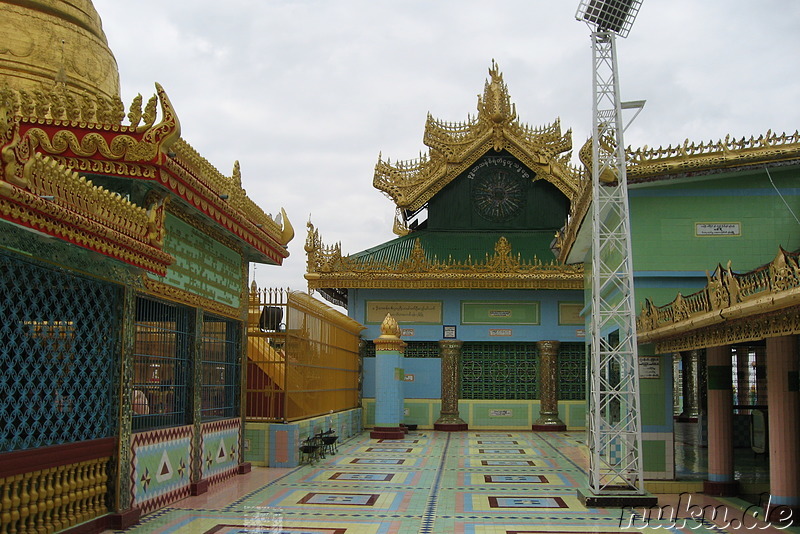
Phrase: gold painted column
(548, 388)
(783, 376)
(449, 419)
(721, 479)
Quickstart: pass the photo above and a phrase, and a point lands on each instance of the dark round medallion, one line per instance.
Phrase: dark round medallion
(497, 193)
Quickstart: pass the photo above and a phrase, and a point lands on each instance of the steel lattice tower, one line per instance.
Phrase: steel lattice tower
(615, 437)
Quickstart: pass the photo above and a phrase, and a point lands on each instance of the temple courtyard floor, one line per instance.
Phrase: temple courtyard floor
(474, 482)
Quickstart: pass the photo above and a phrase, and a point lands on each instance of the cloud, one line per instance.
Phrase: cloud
(307, 93)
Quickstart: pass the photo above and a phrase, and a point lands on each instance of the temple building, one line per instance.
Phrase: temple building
(123, 263)
(486, 282)
(488, 316)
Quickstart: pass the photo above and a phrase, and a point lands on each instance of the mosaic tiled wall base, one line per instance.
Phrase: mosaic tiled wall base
(161, 467)
(220, 458)
(276, 444)
(480, 414)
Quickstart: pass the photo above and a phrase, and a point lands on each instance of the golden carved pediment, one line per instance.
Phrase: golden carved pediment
(454, 147)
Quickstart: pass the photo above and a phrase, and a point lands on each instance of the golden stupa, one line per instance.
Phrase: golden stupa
(48, 42)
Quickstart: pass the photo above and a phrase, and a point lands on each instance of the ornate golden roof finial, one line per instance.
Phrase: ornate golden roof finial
(495, 105)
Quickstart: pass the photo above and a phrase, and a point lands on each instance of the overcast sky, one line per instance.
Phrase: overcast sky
(306, 93)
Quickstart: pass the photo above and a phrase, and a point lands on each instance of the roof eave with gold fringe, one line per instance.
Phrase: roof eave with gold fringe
(454, 147)
(327, 268)
(732, 308)
(85, 138)
(41, 195)
(663, 164)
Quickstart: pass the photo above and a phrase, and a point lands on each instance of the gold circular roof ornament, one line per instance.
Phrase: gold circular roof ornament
(56, 41)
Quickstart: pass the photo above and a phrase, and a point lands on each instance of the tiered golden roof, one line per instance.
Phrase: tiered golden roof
(59, 97)
(454, 147)
(87, 137)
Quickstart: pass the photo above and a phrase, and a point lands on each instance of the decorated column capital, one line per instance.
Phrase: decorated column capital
(389, 340)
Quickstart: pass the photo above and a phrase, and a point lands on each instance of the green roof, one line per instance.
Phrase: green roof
(461, 245)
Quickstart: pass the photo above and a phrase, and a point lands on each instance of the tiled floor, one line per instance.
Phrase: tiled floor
(472, 482)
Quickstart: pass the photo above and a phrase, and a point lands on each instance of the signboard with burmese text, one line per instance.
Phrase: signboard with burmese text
(415, 312)
(511, 312)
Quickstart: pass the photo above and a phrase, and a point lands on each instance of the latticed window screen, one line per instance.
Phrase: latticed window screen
(220, 386)
(58, 337)
(162, 355)
(414, 349)
(499, 371)
(572, 371)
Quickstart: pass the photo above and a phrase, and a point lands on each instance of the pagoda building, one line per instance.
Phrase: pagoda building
(715, 237)
(488, 316)
(124, 261)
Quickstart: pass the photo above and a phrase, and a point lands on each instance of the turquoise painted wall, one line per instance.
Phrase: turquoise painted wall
(548, 300)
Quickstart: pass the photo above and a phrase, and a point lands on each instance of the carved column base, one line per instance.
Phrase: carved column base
(199, 487)
(549, 425)
(126, 519)
(450, 423)
(720, 489)
(387, 432)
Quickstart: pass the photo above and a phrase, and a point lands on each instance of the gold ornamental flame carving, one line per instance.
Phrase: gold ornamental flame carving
(326, 267)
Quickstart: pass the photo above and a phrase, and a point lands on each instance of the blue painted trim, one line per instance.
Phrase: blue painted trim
(720, 478)
(778, 500)
(669, 274)
(652, 192)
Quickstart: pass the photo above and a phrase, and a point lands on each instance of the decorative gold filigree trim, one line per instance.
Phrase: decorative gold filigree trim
(647, 162)
(167, 292)
(454, 147)
(728, 296)
(41, 194)
(58, 103)
(127, 151)
(327, 268)
(780, 323)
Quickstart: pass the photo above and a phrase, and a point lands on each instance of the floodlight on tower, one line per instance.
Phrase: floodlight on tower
(615, 437)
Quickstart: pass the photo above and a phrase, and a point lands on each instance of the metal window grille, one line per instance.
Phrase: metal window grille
(163, 349)
(499, 371)
(58, 339)
(413, 349)
(220, 382)
(572, 371)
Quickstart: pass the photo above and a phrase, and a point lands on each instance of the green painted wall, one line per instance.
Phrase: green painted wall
(663, 219)
(203, 265)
